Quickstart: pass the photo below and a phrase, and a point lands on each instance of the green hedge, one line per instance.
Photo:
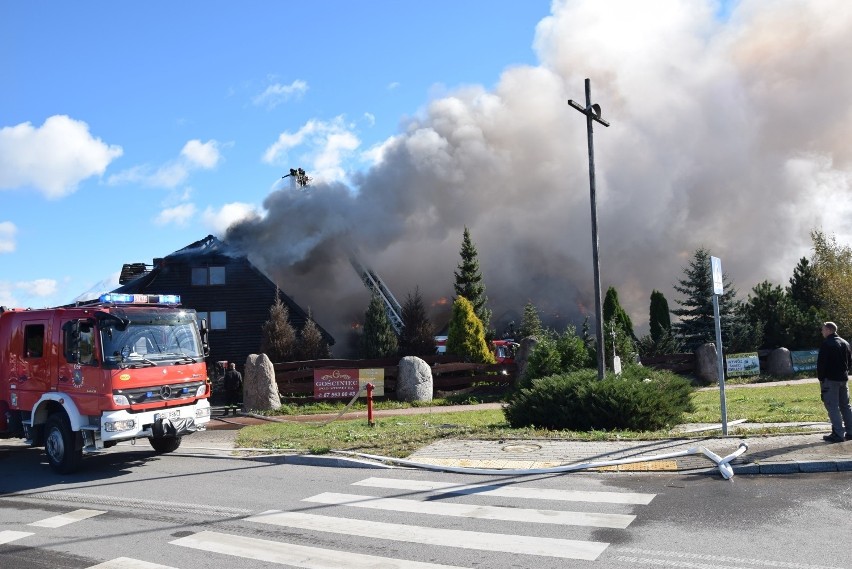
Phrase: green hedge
(641, 399)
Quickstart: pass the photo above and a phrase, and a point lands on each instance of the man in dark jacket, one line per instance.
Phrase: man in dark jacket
(233, 388)
(833, 365)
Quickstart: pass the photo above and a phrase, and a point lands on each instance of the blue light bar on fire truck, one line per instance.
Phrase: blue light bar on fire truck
(119, 298)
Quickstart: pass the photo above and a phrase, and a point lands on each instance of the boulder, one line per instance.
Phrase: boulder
(706, 365)
(260, 392)
(779, 363)
(522, 356)
(414, 382)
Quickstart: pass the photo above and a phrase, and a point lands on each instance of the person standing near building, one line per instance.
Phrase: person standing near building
(833, 365)
(233, 388)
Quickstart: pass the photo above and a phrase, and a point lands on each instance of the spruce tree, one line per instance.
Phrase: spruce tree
(697, 325)
(804, 286)
(466, 337)
(312, 345)
(660, 320)
(417, 337)
(530, 322)
(379, 337)
(469, 283)
(278, 339)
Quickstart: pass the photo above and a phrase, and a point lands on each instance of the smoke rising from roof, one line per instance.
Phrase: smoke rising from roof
(732, 135)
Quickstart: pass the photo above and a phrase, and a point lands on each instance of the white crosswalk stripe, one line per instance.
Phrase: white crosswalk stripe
(128, 563)
(619, 521)
(509, 491)
(67, 518)
(294, 555)
(8, 536)
(506, 543)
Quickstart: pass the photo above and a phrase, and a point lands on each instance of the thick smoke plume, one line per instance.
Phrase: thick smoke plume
(733, 134)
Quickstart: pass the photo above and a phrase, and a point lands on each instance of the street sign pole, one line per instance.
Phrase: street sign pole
(718, 290)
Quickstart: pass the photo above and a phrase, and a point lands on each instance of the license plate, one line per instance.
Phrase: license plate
(169, 415)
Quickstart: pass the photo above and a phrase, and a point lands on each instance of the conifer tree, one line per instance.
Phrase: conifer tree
(312, 345)
(417, 337)
(379, 337)
(278, 339)
(469, 283)
(660, 320)
(804, 286)
(530, 322)
(466, 337)
(697, 325)
(613, 312)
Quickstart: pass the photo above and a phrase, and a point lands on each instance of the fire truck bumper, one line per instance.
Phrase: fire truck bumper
(173, 421)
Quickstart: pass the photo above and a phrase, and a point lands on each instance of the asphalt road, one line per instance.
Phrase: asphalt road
(189, 512)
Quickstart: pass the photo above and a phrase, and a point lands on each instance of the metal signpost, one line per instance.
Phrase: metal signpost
(719, 290)
(593, 114)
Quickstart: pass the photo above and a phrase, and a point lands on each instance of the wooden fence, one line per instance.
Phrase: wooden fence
(448, 373)
(678, 363)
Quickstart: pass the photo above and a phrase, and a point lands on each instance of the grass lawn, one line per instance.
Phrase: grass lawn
(399, 436)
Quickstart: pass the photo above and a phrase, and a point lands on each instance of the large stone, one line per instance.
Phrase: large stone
(522, 356)
(414, 382)
(706, 364)
(260, 392)
(779, 363)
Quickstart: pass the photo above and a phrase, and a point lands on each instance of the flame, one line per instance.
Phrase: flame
(443, 301)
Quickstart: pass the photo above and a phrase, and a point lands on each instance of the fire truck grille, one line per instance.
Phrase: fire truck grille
(169, 392)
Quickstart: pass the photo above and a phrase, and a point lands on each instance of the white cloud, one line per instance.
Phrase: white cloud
(220, 220)
(53, 158)
(7, 295)
(178, 215)
(393, 85)
(277, 93)
(7, 236)
(202, 154)
(195, 155)
(38, 287)
(327, 145)
(371, 118)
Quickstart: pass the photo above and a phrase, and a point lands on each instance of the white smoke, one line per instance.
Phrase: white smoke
(732, 135)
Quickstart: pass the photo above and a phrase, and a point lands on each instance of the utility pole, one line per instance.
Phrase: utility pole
(593, 113)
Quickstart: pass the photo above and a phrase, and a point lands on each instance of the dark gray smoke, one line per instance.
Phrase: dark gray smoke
(732, 135)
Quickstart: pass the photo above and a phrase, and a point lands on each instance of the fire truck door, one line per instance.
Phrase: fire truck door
(34, 360)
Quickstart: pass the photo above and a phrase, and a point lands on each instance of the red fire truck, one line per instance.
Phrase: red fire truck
(82, 378)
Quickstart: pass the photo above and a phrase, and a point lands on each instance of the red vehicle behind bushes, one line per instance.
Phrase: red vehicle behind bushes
(82, 378)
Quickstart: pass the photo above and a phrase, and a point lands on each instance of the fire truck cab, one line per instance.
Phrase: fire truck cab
(79, 379)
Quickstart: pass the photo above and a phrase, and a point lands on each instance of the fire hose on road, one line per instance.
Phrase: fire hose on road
(723, 463)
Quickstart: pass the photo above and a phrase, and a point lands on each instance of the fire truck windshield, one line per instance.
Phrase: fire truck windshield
(137, 343)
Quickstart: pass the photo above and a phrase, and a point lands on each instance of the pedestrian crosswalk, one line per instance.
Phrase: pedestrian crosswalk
(430, 515)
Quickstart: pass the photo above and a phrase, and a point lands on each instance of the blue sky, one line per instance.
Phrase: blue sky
(128, 127)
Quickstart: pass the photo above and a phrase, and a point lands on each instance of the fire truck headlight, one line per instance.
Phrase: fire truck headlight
(205, 412)
(119, 426)
(201, 391)
(120, 400)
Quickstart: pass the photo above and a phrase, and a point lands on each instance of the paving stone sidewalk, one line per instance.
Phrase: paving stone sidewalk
(766, 454)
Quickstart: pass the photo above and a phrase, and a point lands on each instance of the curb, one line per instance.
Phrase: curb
(794, 467)
(319, 460)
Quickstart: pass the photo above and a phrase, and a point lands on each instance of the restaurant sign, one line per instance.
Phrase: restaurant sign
(345, 383)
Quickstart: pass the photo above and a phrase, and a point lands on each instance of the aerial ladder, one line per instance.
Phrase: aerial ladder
(370, 278)
(376, 286)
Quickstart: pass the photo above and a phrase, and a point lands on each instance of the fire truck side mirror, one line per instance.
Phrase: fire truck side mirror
(205, 345)
(72, 341)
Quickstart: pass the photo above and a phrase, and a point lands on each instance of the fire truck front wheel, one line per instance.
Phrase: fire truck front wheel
(64, 447)
(163, 445)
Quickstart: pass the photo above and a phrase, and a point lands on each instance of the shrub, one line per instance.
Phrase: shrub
(641, 399)
(556, 354)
